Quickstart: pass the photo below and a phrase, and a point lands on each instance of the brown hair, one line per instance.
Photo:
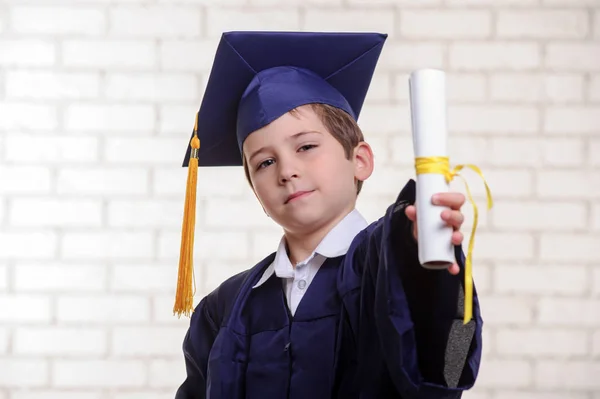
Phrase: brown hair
(341, 126)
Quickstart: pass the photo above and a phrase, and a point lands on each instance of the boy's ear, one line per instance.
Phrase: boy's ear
(363, 161)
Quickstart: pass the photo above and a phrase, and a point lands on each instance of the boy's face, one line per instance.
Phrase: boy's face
(300, 173)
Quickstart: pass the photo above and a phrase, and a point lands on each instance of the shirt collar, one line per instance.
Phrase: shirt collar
(335, 243)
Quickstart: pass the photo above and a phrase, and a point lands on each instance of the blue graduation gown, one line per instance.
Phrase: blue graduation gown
(373, 324)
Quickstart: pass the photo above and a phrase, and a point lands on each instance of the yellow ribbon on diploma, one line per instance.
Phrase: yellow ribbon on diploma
(441, 165)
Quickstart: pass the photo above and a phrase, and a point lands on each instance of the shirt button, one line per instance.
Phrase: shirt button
(301, 284)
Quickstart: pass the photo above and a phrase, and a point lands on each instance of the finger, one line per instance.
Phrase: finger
(457, 238)
(453, 218)
(454, 269)
(411, 213)
(452, 200)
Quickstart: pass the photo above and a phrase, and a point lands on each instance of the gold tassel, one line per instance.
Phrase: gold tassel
(186, 285)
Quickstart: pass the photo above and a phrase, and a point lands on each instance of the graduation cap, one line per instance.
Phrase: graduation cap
(256, 78)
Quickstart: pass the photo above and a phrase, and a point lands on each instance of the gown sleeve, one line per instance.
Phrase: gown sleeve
(197, 344)
(419, 340)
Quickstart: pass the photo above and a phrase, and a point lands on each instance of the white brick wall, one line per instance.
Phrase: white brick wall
(97, 100)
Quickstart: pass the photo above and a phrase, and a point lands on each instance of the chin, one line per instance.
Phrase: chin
(301, 220)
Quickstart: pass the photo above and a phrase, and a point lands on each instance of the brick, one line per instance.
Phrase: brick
(52, 394)
(445, 24)
(508, 310)
(4, 278)
(144, 278)
(595, 220)
(563, 152)
(568, 312)
(162, 309)
(147, 341)
(22, 373)
(171, 182)
(460, 87)
(381, 88)
(540, 342)
(216, 273)
(568, 184)
(152, 87)
(539, 280)
(222, 245)
(48, 212)
(561, 24)
(51, 149)
(166, 373)
(235, 213)
(381, 149)
(114, 309)
(178, 119)
(59, 277)
(187, 55)
(266, 242)
(503, 183)
(364, 20)
(113, 53)
(594, 152)
(569, 247)
(24, 309)
(153, 151)
(572, 120)
(572, 3)
(4, 340)
(535, 88)
(411, 56)
(107, 245)
(58, 20)
(494, 3)
(52, 85)
(504, 119)
(404, 3)
(594, 89)
(511, 56)
(505, 374)
(382, 119)
(145, 213)
(123, 118)
(25, 180)
(560, 56)
(99, 373)
(113, 181)
(402, 151)
(66, 341)
(27, 52)
(221, 20)
(28, 245)
(144, 394)
(515, 151)
(596, 343)
(582, 374)
(155, 21)
(539, 216)
(20, 116)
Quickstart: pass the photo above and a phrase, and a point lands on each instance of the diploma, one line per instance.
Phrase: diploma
(428, 117)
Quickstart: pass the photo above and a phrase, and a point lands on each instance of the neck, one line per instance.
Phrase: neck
(302, 244)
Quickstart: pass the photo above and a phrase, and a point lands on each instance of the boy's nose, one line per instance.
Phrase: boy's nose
(287, 172)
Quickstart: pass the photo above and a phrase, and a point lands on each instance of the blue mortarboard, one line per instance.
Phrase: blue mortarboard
(259, 76)
(256, 78)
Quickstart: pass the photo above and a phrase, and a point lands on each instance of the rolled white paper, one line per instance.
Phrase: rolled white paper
(428, 116)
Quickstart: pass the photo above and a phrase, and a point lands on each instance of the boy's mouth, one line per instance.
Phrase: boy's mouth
(297, 194)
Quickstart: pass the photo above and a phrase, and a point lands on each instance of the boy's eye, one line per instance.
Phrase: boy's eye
(307, 147)
(266, 163)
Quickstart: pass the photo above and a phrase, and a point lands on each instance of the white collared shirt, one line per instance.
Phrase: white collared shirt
(297, 279)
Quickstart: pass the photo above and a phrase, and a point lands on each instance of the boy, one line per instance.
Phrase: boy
(342, 309)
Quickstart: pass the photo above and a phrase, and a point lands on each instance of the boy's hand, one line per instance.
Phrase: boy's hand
(453, 217)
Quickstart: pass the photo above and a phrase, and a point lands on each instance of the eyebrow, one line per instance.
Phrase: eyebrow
(292, 137)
